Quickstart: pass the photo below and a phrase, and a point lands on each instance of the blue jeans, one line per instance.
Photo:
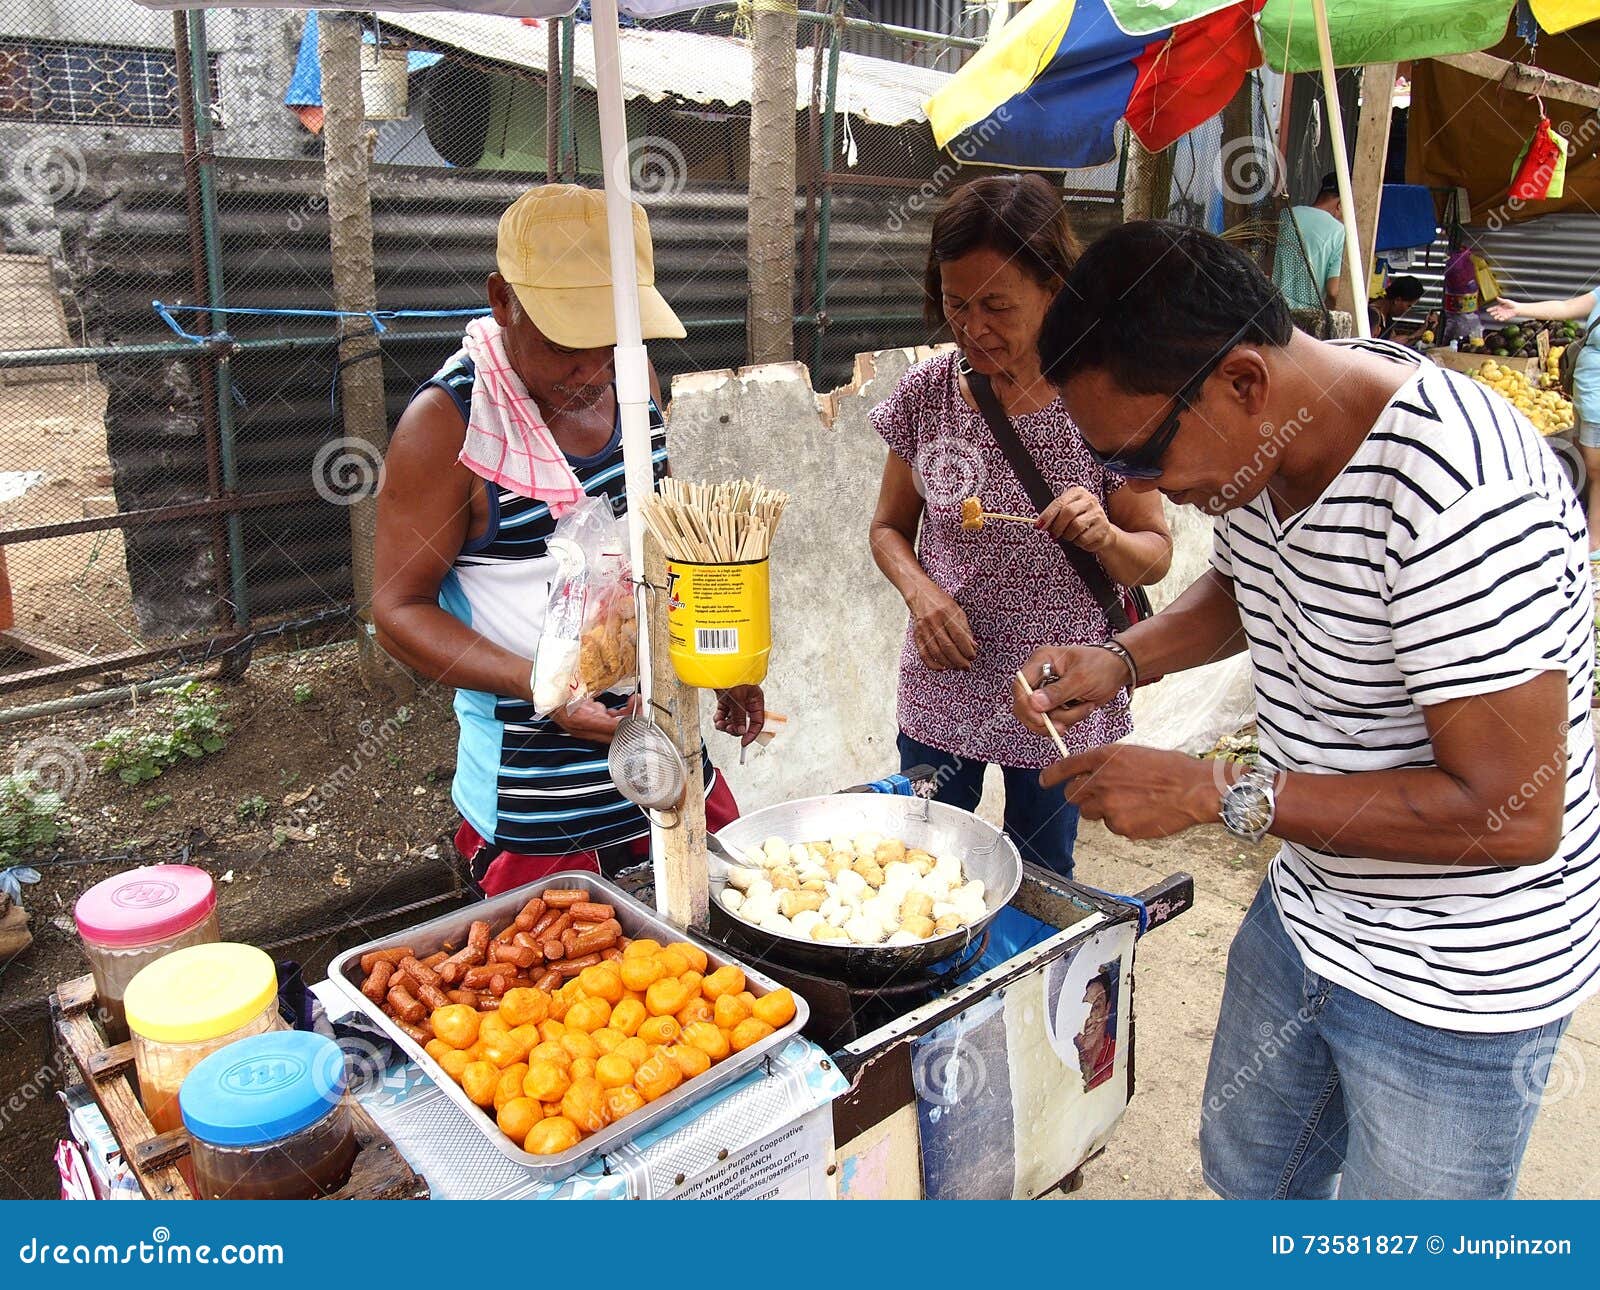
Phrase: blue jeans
(1314, 1091)
(1042, 823)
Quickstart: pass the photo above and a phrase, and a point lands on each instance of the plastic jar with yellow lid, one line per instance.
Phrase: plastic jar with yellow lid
(184, 1007)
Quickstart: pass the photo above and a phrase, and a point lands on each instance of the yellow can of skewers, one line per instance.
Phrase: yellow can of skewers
(719, 622)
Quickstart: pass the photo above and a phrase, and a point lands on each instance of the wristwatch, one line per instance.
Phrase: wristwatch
(1248, 805)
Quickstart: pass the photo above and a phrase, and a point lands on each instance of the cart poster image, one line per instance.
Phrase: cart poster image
(1019, 1090)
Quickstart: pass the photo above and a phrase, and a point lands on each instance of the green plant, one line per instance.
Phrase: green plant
(153, 804)
(253, 808)
(191, 725)
(27, 817)
(302, 693)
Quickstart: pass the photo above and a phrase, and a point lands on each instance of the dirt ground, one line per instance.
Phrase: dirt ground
(72, 590)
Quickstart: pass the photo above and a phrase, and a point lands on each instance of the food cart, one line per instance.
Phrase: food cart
(959, 1077)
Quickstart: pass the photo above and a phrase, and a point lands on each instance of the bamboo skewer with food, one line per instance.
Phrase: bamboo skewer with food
(973, 516)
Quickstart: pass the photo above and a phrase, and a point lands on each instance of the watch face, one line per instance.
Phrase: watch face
(1246, 809)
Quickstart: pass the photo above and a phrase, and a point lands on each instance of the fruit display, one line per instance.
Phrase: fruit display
(866, 890)
(1521, 340)
(1546, 408)
(553, 1067)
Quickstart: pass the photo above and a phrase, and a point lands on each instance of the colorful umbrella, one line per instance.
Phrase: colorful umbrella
(1048, 92)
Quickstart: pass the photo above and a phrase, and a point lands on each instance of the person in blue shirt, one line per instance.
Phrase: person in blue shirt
(1585, 310)
(1309, 261)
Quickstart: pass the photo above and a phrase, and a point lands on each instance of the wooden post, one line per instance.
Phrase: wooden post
(682, 890)
(1366, 171)
(770, 236)
(1147, 184)
(1238, 131)
(346, 160)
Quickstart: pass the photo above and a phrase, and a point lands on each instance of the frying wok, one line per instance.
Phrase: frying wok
(984, 851)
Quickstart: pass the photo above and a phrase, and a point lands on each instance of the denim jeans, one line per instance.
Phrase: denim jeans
(1042, 823)
(1314, 1091)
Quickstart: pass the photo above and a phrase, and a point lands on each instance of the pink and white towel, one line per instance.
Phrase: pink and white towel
(507, 441)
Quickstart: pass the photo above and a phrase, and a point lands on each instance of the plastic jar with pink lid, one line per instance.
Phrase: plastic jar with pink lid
(134, 918)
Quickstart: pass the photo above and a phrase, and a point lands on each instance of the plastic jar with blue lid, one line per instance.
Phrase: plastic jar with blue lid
(269, 1119)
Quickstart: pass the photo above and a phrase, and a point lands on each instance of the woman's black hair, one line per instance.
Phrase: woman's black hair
(1018, 216)
(1150, 302)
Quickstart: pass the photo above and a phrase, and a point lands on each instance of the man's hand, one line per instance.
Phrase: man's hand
(590, 720)
(741, 711)
(1088, 679)
(1077, 517)
(943, 636)
(1139, 792)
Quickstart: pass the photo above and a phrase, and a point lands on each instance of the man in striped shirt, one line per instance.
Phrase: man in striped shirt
(1404, 559)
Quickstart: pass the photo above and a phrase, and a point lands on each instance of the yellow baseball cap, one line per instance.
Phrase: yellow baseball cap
(554, 251)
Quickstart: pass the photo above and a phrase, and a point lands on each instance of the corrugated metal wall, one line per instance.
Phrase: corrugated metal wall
(1553, 256)
(124, 244)
(941, 16)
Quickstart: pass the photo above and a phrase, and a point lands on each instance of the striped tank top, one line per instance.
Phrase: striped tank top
(522, 782)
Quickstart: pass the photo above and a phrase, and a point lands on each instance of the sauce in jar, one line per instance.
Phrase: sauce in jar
(268, 1119)
(188, 1005)
(134, 918)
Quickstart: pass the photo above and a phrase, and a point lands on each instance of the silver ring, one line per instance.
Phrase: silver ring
(1047, 673)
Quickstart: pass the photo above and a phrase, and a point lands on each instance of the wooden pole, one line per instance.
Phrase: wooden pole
(682, 886)
(1366, 172)
(1147, 183)
(770, 235)
(1519, 78)
(1238, 127)
(346, 160)
(1341, 171)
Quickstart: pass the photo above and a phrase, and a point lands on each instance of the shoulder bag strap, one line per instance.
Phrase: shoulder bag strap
(1026, 469)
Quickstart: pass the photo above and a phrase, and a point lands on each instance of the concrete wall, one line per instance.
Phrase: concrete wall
(837, 624)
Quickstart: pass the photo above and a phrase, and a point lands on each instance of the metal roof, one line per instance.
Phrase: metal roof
(700, 68)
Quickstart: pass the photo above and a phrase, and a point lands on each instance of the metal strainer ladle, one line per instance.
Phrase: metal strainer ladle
(647, 767)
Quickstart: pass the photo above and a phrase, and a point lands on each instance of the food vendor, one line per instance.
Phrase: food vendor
(521, 422)
(1408, 573)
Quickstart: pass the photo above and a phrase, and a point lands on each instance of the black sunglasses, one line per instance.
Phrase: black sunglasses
(1144, 462)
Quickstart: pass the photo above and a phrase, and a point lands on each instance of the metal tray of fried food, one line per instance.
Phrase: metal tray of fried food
(638, 920)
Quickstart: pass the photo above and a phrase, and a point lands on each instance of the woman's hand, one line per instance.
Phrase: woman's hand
(1503, 310)
(1088, 678)
(741, 711)
(1077, 517)
(590, 720)
(941, 631)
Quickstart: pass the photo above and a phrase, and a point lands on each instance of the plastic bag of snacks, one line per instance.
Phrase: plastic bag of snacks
(590, 642)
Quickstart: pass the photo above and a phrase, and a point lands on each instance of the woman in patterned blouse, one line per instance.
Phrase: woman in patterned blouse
(982, 601)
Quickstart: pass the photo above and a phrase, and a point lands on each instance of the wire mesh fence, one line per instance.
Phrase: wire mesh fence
(167, 494)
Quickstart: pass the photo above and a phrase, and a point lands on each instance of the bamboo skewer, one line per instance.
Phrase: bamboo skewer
(724, 523)
(1061, 744)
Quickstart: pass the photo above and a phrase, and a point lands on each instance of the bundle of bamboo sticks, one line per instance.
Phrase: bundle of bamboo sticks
(715, 523)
